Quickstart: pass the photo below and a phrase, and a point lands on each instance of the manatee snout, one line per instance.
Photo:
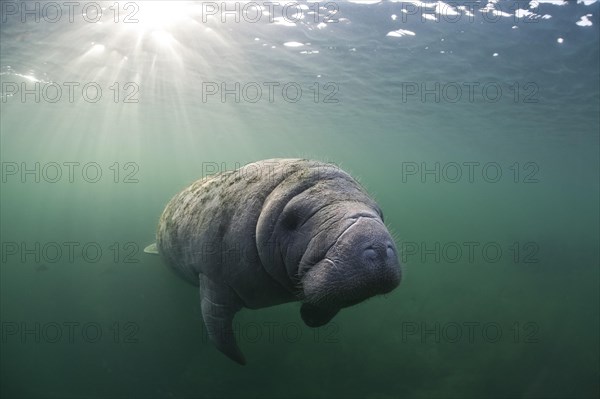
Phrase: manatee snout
(363, 262)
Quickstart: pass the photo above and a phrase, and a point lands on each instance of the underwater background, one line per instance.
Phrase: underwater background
(475, 126)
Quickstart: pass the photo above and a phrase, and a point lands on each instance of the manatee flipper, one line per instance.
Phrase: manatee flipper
(151, 249)
(219, 305)
(315, 316)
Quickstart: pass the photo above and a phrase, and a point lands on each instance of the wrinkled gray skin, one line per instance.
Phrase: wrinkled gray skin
(277, 231)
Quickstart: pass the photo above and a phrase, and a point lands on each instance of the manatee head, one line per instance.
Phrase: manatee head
(351, 257)
(362, 262)
(327, 242)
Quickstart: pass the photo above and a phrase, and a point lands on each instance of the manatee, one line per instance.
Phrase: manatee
(277, 231)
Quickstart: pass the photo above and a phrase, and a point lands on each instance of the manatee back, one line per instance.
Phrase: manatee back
(216, 216)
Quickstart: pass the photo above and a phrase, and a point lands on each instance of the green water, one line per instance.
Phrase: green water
(106, 320)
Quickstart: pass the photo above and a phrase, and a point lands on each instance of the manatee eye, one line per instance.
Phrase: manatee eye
(290, 221)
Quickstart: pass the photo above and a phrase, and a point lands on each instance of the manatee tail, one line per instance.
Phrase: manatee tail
(219, 305)
(151, 249)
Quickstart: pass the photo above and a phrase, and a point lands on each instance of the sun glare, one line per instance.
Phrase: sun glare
(162, 37)
(159, 15)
